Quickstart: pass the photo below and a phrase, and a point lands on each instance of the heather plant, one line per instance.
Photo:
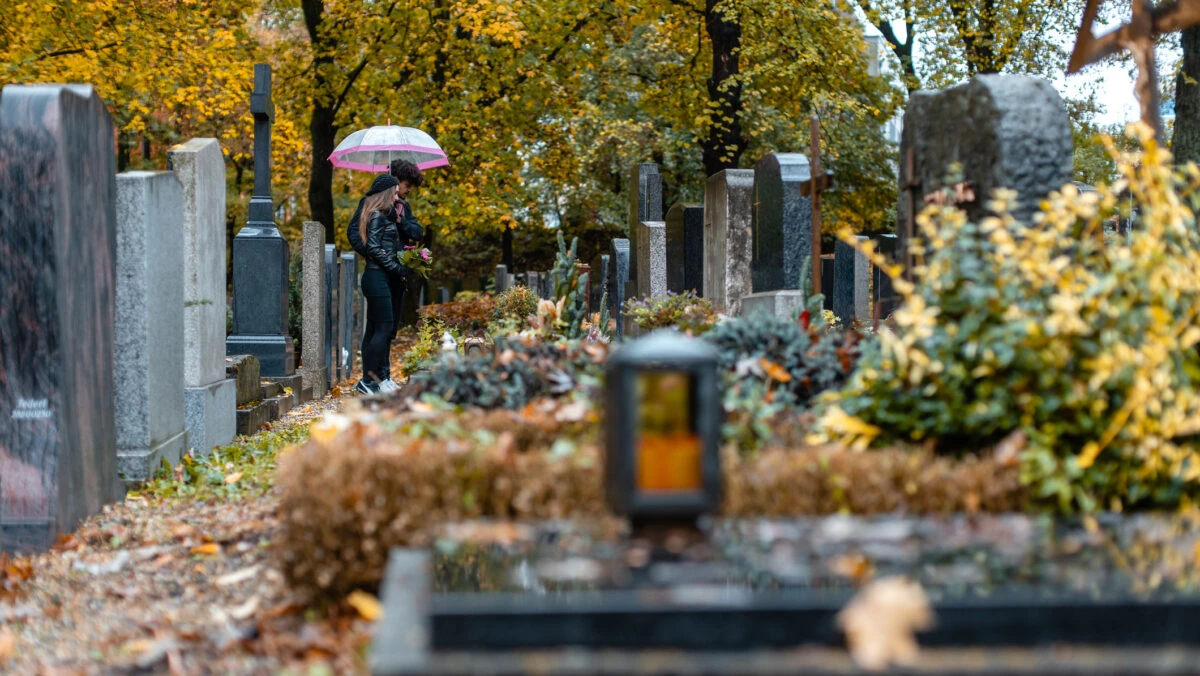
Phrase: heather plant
(683, 311)
(1087, 347)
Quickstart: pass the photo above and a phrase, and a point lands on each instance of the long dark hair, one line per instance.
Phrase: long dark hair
(380, 201)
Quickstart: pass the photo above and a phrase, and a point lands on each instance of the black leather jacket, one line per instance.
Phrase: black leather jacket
(409, 227)
(383, 241)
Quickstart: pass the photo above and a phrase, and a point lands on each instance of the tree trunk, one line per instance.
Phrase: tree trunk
(725, 142)
(506, 248)
(320, 181)
(1185, 141)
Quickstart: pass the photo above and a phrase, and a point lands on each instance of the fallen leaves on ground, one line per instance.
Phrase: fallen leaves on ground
(880, 623)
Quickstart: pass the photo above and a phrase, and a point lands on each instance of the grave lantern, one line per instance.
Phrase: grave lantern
(663, 428)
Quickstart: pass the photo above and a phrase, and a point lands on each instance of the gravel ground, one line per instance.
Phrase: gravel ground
(174, 587)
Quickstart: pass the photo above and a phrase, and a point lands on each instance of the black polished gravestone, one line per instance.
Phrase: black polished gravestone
(618, 275)
(260, 257)
(58, 458)
(685, 248)
(781, 221)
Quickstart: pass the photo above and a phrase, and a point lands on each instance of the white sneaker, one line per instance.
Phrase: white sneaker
(388, 385)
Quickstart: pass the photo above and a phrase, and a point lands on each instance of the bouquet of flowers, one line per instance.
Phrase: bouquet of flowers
(417, 259)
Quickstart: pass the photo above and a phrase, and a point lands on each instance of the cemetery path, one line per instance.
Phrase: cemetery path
(172, 586)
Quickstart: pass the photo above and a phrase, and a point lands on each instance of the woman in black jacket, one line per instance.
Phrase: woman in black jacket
(380, 234)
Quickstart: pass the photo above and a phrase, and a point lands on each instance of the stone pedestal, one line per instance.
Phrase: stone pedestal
(209, 398)
(727, 239)
(58, 460)
(260, 299)
(149, 324)
(315, 311)
(786, 303)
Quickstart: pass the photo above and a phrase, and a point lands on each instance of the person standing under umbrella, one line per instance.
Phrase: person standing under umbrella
(404, 176)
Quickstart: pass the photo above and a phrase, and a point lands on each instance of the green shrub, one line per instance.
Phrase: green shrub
(427, 347)
(683, 311)
(518, 371)
(1087, 347)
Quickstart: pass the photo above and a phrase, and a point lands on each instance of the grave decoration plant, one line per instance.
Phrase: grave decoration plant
(683, 311)
(426, 348)
(1088, 348)
(514, 307)
(567, 316)
(519, 370)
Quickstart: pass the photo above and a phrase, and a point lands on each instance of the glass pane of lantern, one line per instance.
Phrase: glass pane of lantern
(668, 448)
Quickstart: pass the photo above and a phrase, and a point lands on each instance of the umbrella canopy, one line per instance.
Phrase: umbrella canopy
(373, 149)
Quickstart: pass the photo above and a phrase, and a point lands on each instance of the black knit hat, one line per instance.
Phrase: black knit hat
(382, 182)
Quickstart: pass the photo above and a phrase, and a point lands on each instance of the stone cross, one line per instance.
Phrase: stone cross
(817, 183)
(261, 257)
(1147, 24)
(262, 210)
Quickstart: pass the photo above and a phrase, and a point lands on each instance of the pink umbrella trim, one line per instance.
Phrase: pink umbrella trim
(375, 148)
(363, 166)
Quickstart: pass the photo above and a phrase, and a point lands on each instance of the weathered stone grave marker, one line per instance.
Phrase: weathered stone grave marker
(501, 284)
(652, 258)
(149, 354)
(210, 399)
(58, 459)
(727, 239)
(1005, 131)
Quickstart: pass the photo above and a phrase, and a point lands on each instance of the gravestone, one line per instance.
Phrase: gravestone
(209, 397)
(403, 639)
(645, 204)
(260, 257)
(618, 277)
(851, 283)
(314, 311)
(685, 248)
(599, 283)
(349, 337)
(443, 295)
(58, 458)
(781, 222)
(534, 281)
(727, 239)
(149, 355)
(332, 366)
(884, 292)
(1006, 131)
(652, 263)
(827, 281)
(501, 279)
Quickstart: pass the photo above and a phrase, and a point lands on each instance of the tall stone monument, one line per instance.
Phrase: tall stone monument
(149, 324)
(58, 238)
(727, 239)
(314, 314)
(260, 257)
(210, 398)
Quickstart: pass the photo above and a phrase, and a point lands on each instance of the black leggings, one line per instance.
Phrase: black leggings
(383, 319)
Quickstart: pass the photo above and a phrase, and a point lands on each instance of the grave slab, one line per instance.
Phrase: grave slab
(652, 266)
(315, 312)
(347, 296)
(851, 283)
(781, 222)
(645, 204)
(618, 278)
(685, 248)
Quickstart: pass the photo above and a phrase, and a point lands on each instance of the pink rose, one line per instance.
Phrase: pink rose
(425, 254)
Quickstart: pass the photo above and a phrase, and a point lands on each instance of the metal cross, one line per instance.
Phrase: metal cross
(1137, 37)
(818, 182)
(263, 109)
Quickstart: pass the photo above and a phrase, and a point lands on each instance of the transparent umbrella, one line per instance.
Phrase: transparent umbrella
(374, 148)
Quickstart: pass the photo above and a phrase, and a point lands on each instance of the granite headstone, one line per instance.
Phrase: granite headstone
(781, 222)
(58, 459)
(331, 315)
(210, 399)
(727, 239)
(652, 263)
(618, 277)
(851, 283)
(348, 334)
(149, 354)
(685, 248)
(314, 311)
(1006, 131)
(645, 204)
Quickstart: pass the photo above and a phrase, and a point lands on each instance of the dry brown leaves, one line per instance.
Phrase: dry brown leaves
(12, 573)
(880, 623)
